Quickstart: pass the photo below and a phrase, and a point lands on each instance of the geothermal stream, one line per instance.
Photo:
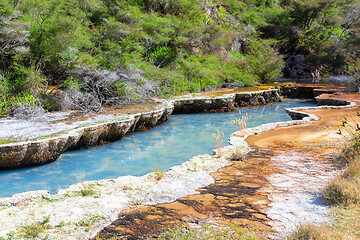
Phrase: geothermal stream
(82, 209)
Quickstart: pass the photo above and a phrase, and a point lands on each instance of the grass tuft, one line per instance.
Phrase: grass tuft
(87, 190)
(219, 142)
(33, 230)
(238, 154)
(344, 189)
(228, 232)
(6, 141)
(309, 231)
(86, 224)
(241, 123)
(159, 174)
(306, 231)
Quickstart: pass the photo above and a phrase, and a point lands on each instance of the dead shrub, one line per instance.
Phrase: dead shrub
(91, 89)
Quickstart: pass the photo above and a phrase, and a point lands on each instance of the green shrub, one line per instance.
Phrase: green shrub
(3, 106)
(264, 60)
(161, 56)
(15, 93)
(179, 36)
(4, 92)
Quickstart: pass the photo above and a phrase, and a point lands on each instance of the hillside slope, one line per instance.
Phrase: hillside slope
(104, 52)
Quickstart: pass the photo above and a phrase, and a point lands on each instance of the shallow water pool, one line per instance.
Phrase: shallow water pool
(164, 146)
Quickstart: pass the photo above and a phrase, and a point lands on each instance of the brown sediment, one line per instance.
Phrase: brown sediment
(324, 87)
(323, 130)
(233, 198)
(354, 97)
(311, 90)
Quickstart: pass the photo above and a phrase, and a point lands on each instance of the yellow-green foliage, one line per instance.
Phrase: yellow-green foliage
(87, 190)
(159, 174)
(345, 224)
(345, 189)
(33, 230)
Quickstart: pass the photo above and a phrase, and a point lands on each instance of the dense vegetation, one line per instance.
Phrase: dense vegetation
(101, 52)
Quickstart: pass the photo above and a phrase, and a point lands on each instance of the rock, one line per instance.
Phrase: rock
(331, 102)
(91, 136)
(204, 105)
(257, 98)
(118, 130)
(26, 154)
(296, 68)
(167, 113)
(148, 120)
(294, 91)
(225, 103)
(296, 115)
(221, 52)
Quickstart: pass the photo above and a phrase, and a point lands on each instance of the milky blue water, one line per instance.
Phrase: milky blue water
(164, 146)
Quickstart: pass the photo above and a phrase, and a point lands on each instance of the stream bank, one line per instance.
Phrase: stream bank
(71, 192)
(47, 148)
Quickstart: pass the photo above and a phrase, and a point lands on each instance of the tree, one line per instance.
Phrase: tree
(58, 32)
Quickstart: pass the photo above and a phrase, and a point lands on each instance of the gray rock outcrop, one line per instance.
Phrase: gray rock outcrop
(226, 103)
